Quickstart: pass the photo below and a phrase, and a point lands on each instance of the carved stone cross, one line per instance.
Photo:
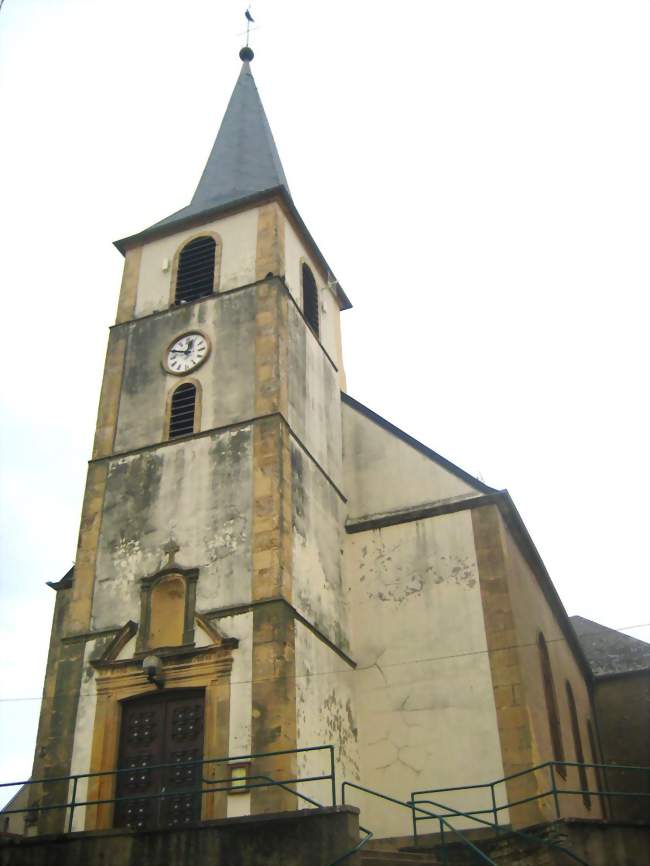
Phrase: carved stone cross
(171, 549)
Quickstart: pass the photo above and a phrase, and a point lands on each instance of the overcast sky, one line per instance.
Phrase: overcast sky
(475, 173)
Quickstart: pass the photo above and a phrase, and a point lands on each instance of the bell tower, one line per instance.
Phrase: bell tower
(211, 529)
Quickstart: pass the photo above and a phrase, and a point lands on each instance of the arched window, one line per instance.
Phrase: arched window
(182, 411)
(551, 704)
(577, 744)
(595, 759)
(310, 298)
(195, 274)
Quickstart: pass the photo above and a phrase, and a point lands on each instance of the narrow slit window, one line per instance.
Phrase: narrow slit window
(551, 704)
(195, 276)
(577, 744)
(183, 409)
(310, 299)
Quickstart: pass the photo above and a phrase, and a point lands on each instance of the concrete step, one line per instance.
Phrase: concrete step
(457, 855)
(377, 857)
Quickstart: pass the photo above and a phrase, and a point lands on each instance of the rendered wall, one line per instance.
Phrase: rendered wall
(238, 235)
(314, 411)
(424, 691)
(318, 591)
(384, 474)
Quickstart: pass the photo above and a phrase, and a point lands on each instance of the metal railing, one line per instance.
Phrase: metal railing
(230, 785)
(554, 791)
(418, 805)
(445, 825)
(223, 785)
(482, 857)
(531, 838)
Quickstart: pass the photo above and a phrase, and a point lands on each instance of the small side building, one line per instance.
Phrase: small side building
(621, 669)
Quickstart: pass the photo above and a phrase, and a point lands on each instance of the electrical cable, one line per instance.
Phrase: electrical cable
(381, 668)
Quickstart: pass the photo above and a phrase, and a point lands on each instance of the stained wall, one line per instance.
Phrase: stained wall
(226, 378)
(326, 714)
(195, 491)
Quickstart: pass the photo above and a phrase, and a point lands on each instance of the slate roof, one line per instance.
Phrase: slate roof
(609, 651)
(244, 160)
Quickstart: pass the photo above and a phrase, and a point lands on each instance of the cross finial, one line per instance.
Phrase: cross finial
(171, 549)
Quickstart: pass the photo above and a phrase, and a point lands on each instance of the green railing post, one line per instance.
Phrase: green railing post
(333, 772)
(74, 797)
(415, 822)
(494, 805)
(556, 799)
(443, 847)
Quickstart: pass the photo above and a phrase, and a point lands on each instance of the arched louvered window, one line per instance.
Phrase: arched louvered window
(182, 411)
(551, 704)
(195, 274)
(577, 744)
(310, 299)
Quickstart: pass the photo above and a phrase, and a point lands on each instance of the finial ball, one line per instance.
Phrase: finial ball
(246, 54)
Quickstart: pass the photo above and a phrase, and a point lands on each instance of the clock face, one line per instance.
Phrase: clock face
(186, 353)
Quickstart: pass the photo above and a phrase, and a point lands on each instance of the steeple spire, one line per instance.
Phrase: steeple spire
(243, 168)
(244, 160)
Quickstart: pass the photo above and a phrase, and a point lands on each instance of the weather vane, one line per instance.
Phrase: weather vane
(249, 20)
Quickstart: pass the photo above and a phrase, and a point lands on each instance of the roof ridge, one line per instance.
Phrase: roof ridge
(602, 629)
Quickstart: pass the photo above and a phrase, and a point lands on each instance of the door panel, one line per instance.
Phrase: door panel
(159, 729)
(184, 742)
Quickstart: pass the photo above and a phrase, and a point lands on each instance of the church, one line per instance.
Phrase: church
(275, 589)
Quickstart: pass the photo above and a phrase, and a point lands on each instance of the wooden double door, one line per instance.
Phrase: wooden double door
(165, 728)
